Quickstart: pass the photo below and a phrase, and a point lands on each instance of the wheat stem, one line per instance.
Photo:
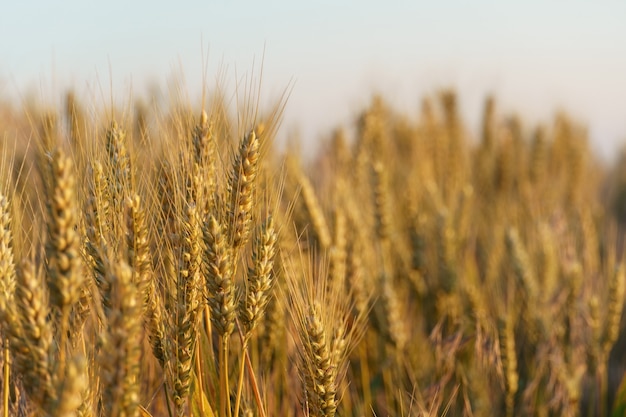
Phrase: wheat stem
(240, 378)
(5, 372)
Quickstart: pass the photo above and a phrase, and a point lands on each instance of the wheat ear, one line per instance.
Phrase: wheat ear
(203, 144)
(189, 305)
(7, 266)
(260, 276)
(65, 277)
(509, 361)
(316, 214)
(8, 317)
(137, 245)
(97, 228)
(120, 165)
(242, 188)
(219, 271)
(338, 254)
(617, 288)
(121, 344)
(32, 344)
(259, 283)
(71, 390)
(318, 366)
(218, 262)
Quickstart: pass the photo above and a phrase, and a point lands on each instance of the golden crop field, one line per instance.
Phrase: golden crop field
(175, 262)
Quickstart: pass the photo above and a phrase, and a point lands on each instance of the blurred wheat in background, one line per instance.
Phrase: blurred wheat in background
(174, 262)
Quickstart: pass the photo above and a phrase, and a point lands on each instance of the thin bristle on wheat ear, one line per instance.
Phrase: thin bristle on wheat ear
(242, 189)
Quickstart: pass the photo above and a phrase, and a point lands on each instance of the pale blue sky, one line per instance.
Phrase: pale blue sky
(535, 56)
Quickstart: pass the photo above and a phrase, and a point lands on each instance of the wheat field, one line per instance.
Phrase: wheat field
(176, 262)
